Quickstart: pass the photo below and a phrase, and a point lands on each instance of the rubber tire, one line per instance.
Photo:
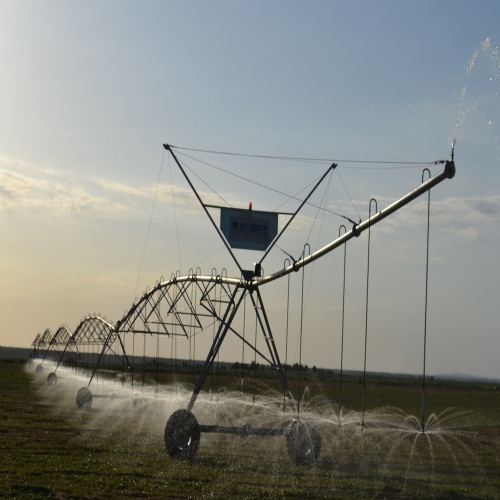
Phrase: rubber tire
(303, 441)
(39, 369)
(52, 378)
(182, 435)
(84, 398)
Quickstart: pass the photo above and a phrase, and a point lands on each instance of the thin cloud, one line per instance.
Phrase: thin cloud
(23, 192)
(15, 162)
(463, 217)
(124, 189)
(26, 186)
(166, 194)
(81, 202)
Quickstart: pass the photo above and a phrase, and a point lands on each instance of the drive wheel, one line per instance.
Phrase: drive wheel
(182, 435)
(84, 398)
(303, 442)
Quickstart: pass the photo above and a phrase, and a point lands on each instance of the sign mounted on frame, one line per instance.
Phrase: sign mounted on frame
(248, 229)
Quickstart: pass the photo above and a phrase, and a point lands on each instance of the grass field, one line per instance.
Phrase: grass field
(49, 448)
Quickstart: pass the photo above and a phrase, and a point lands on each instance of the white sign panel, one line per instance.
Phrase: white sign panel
(248, 229)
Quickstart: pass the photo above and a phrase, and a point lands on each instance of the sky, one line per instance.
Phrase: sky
(93, 210)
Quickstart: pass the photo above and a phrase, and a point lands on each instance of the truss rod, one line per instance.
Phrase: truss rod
(219, 232)
(224, 326)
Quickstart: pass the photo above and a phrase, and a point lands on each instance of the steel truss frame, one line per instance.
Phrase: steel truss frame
(169, 309)
(193, 303)
(91, 331)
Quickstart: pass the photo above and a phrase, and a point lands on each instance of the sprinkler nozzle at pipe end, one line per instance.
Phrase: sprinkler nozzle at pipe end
(449, 169)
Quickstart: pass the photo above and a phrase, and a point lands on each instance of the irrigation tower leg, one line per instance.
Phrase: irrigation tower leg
(224, 326)
(261, 314)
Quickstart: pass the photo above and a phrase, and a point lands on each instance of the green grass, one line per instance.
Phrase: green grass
(49, 448)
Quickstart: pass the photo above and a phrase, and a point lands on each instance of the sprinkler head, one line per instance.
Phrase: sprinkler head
(449, 168)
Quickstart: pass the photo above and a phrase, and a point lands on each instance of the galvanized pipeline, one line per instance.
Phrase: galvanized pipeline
(447, 173)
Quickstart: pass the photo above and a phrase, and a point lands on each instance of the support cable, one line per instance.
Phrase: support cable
(399, 164)
(251, 181)
(149, 225)
(323, 202)
(205, 183)
(320, 207)
(349, 196)
(332, 167)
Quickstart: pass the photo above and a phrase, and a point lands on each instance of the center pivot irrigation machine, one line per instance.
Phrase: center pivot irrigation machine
(177, 306)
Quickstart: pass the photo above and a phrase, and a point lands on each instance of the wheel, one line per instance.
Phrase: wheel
(52, 378)
(39, 369)
(303, 442)
(182, 435)
(84, 398)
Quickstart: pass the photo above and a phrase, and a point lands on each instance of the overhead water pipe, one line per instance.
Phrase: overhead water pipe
(447, 173)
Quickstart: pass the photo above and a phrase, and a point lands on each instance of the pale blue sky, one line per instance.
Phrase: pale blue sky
(91, 90)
